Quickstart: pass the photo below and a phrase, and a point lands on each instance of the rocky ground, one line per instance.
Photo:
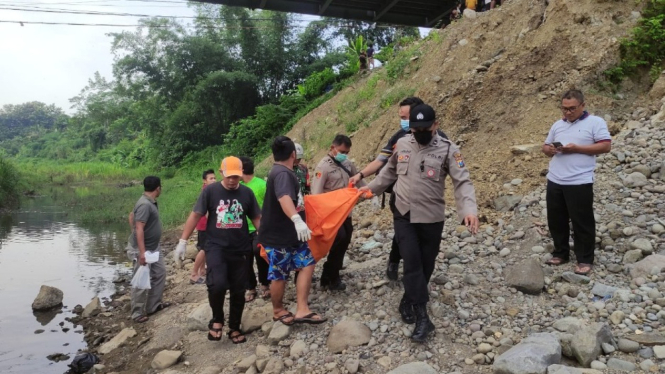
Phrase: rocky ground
(496, 306)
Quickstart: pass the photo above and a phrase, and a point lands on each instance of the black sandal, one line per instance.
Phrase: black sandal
(210, 328)
(285, 316)
(161, 307)
(236, 337)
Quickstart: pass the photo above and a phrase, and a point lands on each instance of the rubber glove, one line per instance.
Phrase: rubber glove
(179, 253)
(304, 233)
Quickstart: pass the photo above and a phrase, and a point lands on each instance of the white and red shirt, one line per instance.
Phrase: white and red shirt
(576, 168)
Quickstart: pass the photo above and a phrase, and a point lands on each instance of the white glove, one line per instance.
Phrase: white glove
(304, 233)
(179, 253)
(376, 205)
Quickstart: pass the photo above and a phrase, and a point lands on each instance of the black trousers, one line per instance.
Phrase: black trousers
(335, 260)
(261, 265)
(574, 203)
(394, 256)
(419, 246)
(226, 271)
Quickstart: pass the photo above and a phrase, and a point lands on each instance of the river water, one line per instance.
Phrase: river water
(42, 243)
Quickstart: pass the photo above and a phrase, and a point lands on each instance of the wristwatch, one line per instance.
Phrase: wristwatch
(362, 176)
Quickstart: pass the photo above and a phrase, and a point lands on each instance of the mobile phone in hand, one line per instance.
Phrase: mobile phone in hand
(557, 144)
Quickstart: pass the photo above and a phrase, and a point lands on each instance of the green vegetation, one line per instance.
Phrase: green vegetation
(644, 49)
(9, 184)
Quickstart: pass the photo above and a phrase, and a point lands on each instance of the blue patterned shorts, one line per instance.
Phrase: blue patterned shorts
(282, 261)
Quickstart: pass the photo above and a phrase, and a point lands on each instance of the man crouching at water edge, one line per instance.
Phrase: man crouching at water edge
(228, 204)
(146, 234)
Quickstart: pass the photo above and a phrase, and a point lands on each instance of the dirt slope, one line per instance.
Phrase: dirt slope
(495, 82)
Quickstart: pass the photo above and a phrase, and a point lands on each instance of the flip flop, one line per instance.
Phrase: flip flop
(237, 337)
(310, 320)
(556, 261)
(210, 336)
(161, 307)
(283, 317)
(579, 267)
(250, 296)
(141, 319)
(201, 280)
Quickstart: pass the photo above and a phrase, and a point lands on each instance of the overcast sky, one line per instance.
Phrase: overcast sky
(52, 63)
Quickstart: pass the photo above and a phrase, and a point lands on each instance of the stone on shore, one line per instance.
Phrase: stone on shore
(561, 369)
(628, 346)
(47, 298)
(253, 319)
(621, 365)
(533, 355)
(507, 203)
(586, 343)
(198, 319)
(348, 333)
(649, 339)
(652, 264)
(117, 340)
(278, 333)
(414, 368)
(165, 359)
(526, 276)
(92, 309)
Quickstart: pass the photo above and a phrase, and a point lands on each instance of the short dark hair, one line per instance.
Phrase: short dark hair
(247, 165)
(371, 45)
(573, 94)
(411, 101)
(151, 183)
(341, 139)
(206, 173)
(282, 148)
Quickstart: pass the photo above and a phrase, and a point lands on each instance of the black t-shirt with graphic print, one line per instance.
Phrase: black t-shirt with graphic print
(277, 229)
(227, 209)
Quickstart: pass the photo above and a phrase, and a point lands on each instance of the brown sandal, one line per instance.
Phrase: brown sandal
(283, 318)
(583, 269)
(556, 261)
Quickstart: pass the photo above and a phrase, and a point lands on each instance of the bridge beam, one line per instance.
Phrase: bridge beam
(324, 7)
(385, 9)
(438, 18)
(263, 4)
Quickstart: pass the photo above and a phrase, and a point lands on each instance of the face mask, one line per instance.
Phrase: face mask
(423, 137)
(404, 123)
(341, 157)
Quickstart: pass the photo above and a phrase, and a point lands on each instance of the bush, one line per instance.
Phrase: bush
(645, 47)
(9, 184)
(316, 83)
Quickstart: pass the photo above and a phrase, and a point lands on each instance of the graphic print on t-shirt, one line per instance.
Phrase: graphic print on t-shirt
(229, 214)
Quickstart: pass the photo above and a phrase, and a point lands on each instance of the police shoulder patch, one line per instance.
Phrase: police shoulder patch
(459, 159)
(317, 174)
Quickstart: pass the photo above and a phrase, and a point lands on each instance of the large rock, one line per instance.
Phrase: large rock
(648, 339)
(643, 245)
(603, 290)
(632, 256)
(278, 333)
(92, 309)
(621, 365)
(657, 91)
(348, 333)
(191, 251)
(635, 180)
(560, 369)
(165, 359)
(586, 344)
(48, 297)
(568, 324)
(414, 368)
(117, 340)
(628, 346)
(198, 319)
(525, 148)
(254, 318)
(653, 264)
(531, 356)
(507, 203)
(274, 366)
(526, 276)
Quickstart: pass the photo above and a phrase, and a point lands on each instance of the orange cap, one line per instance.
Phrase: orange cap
(231, 166)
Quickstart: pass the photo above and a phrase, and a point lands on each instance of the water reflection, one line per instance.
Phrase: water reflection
(44, 244)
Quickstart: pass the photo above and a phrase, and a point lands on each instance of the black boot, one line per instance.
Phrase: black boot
(423, 325)
(391, 272)
(406, 310)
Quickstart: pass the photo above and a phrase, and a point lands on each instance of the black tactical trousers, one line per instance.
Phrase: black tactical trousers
(419, 246)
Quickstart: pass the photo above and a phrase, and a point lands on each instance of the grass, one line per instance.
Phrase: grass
(10, 184)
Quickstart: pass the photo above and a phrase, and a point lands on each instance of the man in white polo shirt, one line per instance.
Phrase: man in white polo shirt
(573, 143)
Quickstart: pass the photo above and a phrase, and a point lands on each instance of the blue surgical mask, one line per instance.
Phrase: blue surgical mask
(405, 124)
(341, 157)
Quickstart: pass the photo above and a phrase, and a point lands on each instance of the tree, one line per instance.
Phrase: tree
(30, 118)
